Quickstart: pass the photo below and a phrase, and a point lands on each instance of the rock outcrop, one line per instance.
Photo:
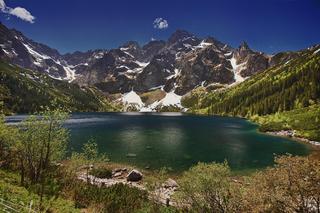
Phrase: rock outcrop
(134, 176)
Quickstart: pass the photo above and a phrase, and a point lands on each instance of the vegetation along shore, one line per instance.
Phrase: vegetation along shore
(36, 174)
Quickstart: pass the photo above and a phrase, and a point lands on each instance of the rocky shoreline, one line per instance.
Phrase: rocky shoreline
(292, 134)
(134, 178)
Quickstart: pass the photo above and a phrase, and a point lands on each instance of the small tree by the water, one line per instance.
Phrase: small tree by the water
(42, 143)
(208, 188)
(91, 155)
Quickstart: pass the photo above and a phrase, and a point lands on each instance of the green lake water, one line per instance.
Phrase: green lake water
(178, 141)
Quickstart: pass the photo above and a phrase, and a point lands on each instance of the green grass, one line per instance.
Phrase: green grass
(305, 121)
(101, 173)
(118, 198)
(20, 198)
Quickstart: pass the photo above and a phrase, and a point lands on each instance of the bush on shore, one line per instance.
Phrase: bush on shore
(292, 185)
(101, 173)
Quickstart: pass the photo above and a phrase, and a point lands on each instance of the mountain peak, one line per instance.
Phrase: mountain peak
(179, 35)
(244, 46)
(131, 44)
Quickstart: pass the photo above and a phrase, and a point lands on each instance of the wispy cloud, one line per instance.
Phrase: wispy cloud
(160, 23)
(2, 4)
(19, 12)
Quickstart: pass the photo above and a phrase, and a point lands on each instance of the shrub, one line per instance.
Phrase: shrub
(293, 185)
(101, 173)
(117, 198)
(208, 188)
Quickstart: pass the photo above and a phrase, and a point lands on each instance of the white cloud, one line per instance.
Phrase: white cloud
(160, 23)
(2, 5)
(22, 14)
(19, 12)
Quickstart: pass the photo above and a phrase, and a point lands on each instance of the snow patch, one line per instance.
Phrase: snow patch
(236, 68)
(203, 44)
(175, 75)
(6, 52)
(35, 53)
(70, 72)
(128, 54)
(171, 99)
(315, 52)
(124, 48)
(146, 109)
(71, 76)
(142, 64)
(132, 98)
(158, 87)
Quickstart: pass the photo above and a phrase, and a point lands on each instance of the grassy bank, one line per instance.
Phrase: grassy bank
(20, 198)
(305, 122)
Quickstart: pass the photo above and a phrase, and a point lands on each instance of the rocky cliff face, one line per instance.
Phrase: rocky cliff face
(178, 65)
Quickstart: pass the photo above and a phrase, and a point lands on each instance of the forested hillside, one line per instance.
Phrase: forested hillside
(25, 91)
(291, 85)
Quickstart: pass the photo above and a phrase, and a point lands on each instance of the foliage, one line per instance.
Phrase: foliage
(170, 108)
(152, 96)
(25, 91)
(42, 143)
(194, 98)
(208, 188)
(20, 198)
(293, 185)
(101, 172)
(155, 182)
(91, 155)
(8, 138)
(305, 121)
(118, 198)
(150, 207)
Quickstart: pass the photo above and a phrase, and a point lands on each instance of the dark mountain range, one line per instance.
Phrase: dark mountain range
(176, 66)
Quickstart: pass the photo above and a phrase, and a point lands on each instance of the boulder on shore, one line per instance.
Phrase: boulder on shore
(134, 176)
(170, 183)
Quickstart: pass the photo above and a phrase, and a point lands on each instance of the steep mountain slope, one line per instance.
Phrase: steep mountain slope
(26, 91)
(288, 85)
(20, 50)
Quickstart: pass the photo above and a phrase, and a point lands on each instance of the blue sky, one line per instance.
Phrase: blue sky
(69, 25)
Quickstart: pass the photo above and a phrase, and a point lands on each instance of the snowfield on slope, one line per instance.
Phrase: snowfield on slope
(236, 68)
(70, 72)
(171, 99)
(132, 98)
